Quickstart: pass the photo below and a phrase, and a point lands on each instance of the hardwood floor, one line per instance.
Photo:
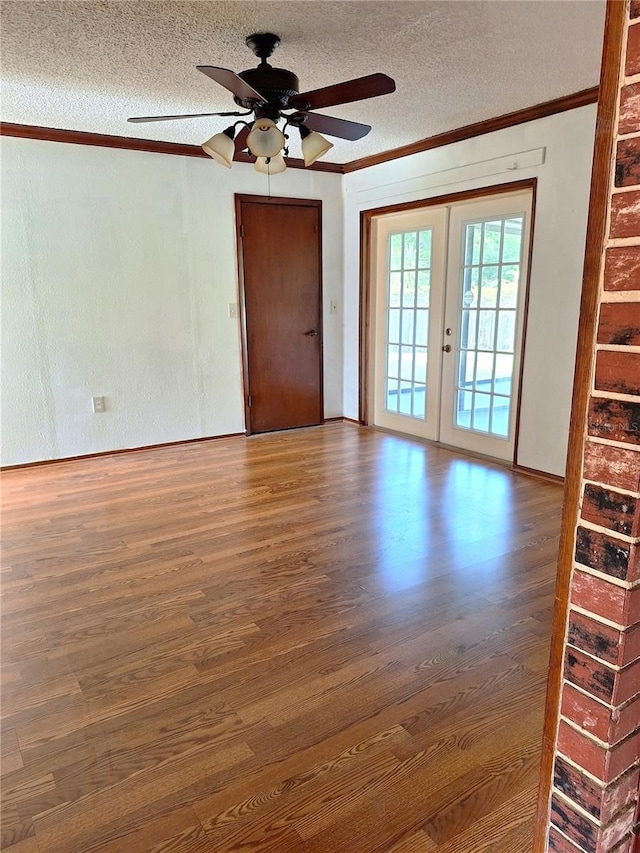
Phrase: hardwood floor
(322, 640)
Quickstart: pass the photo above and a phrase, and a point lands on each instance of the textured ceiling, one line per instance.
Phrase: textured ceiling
(89, 65)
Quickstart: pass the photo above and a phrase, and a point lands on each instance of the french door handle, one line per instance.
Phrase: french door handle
(312, 333)
(446, 348)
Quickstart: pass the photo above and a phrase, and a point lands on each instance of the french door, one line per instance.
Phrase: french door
(447, 321)
(408, 307)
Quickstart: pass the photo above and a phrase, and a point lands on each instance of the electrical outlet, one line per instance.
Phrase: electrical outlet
(98, 404)
(232, 309)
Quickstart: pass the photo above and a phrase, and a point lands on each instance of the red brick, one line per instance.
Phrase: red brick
(629, 121)
(622, 263)
(628, 163)
(619, 794)
(585, 832)
(595, 637)
(630, 649)
(619, 323)
(634, 10)
(604, 553)
(605, 507)
(613, 466)
(617, 420)
(634, 564)
(609, 644)
(605, 763)
(603, 802)
(614, 832)
(618, 371)
(605, 599)
(624, 846)
(625, 213)
(610, 685)
(591, 675)
(632, 65)
(572, 823)
(610, 725)
(578, 787)
(627, 683)
(559, 844)
(619, 647)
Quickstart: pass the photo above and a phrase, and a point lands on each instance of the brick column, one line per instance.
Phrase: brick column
(594, 799)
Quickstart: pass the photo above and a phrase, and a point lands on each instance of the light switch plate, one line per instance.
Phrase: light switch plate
(232, 310)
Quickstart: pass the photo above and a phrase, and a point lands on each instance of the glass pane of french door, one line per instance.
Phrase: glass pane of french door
(407, 340)
(490, 283)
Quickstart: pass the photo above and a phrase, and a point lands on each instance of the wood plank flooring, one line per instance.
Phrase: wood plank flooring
(313, 641)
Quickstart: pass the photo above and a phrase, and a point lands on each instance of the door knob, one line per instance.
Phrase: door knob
(312, 333)
(446, 348)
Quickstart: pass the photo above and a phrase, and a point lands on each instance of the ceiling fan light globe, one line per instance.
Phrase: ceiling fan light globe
(313, 147)
(265, 139)
(221, 147)
(273, 167)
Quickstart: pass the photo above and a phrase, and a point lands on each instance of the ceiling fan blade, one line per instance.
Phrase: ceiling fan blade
(137, 119)
(340, 127)
(232, 82)
(241, 138)
(344, 93)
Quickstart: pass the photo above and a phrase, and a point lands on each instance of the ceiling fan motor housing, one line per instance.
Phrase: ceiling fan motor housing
(277, 85)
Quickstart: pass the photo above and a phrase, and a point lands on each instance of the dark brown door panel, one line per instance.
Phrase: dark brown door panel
(281, 283)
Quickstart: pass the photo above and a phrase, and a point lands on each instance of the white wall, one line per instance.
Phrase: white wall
(566, 141)
(117, 269)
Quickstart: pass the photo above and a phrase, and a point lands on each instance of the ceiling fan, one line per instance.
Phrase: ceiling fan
(271, 94)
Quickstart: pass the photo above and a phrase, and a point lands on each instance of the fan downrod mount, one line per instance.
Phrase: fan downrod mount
(276, 85)
(262, 44)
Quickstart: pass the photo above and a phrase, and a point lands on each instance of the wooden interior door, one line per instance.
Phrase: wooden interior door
(281, 303)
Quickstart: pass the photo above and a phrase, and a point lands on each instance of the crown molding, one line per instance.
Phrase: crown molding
(77, 137)
(548, 108)
(130, 143)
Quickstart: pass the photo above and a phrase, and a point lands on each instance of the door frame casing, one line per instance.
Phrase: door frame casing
(367, 283)
(241, 198)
